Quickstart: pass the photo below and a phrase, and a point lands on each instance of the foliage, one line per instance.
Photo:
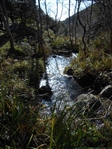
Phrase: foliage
(22, 123)
(4, 48)
(58, 42)
(63, 42)
(17, 123)
(96, 59)
(61, 130)
(102, 42)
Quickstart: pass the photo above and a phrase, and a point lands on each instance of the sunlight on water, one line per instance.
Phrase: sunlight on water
(60, 83)
(64, 88)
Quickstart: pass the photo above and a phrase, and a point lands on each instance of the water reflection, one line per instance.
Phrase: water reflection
(64, 88)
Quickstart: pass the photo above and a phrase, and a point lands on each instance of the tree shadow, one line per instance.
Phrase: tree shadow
(3, 40)
(20, 31)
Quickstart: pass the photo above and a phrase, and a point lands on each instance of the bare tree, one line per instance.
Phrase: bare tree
(82, 25)
(6, 25)
(105, 7)
(89, 22)
(41, 42)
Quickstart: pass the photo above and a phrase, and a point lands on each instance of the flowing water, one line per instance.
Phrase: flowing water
(64, 88)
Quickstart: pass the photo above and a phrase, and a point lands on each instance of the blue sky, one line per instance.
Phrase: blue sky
(60, 11)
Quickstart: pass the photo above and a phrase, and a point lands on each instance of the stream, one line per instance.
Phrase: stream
(64, 88)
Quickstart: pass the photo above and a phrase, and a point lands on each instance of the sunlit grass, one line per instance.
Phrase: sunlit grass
(4, 47)
(95, 61)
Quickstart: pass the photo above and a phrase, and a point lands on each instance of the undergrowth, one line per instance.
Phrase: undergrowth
(96, 58)
(23, 126)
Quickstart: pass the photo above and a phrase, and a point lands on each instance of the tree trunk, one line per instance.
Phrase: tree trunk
(111, 40)
(41, 42)
(84, 29)
(5, 21)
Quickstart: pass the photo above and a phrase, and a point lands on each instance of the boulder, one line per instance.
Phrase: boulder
(95, 81)
(69, 71)
(88, 104)
(45, 91)
(86, 80)
(106, 92)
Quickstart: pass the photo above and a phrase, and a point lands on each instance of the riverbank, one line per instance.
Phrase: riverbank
(94, 75)
(85, 122)
(81, 122)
